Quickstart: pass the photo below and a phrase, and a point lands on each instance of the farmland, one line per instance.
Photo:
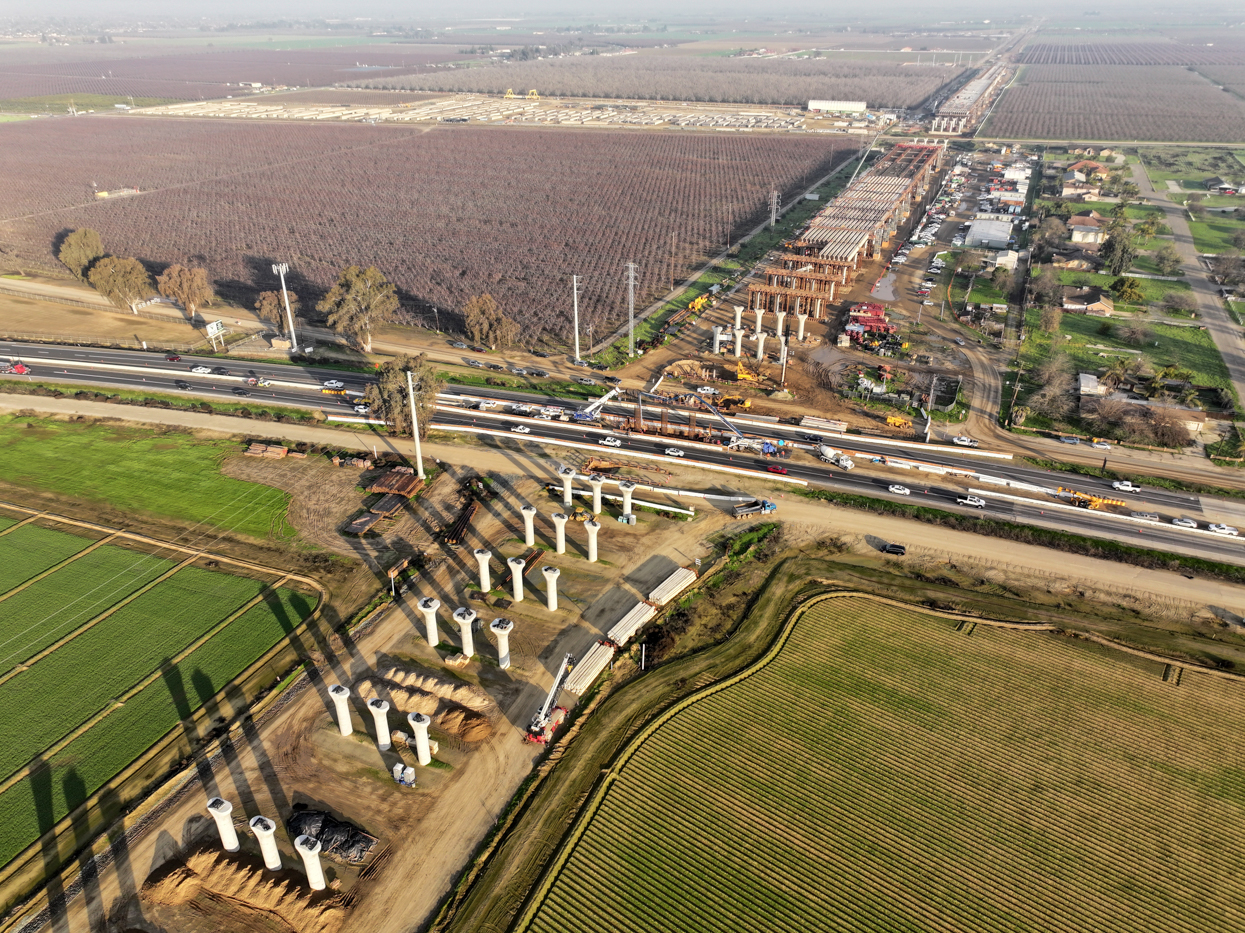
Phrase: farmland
(105, 655)
(788, 81)
(884, 771)
(450, 213)
(1127, 53)
(1118, 102)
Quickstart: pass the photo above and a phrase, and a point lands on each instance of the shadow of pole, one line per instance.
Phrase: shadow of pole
(40, 779)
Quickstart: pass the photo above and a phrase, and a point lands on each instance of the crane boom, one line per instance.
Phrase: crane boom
(740, 440)
(590, 412)
(541, 719)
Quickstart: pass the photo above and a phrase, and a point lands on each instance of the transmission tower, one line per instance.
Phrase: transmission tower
(773, 208)
(631, 309)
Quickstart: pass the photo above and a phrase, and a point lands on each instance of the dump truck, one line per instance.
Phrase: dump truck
(837, 457)
(755, 507)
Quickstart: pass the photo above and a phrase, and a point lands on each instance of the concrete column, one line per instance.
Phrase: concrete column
(429, 606)
(559, 523)
(593, 528)
(719, 334)
(551, 587)
(516, 577)
(760, 345)
(529, 525)
(341, 702)
(465, 619)
(222, 812)
(501, 628)
(568, 476)
(309, 848)
(419, 724)
(760, 313)
(627, 488)
(265, 831)
(380, 716)
(482, 558)
(782, 316)
(802, 317)
(739, 316)
(596, 481)
(739, 341)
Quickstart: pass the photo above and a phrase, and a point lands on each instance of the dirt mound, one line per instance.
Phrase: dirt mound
(427, 681)
(450, 717)
(337, 839)
(241, 898)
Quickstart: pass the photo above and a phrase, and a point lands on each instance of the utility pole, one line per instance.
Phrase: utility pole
(280, 268)
(419, 454)
(631, 309)
(672, 260)
(575, 293)
(773, 209)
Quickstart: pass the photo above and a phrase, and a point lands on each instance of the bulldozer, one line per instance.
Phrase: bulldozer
(580, 514)
(898, 421)
(1088, 500)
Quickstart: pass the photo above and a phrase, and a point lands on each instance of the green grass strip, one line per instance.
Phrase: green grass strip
(30, 550)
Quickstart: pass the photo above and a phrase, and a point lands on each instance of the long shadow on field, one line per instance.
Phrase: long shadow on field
(176, 686)
(40, 774)
(262, 762)
(126, 905)
(88, 869)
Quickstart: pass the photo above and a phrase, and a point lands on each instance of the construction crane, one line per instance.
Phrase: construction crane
(542, 725)
(739, 441)
(1088, 500)
(590, 412)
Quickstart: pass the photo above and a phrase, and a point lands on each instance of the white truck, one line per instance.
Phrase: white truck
(837, 457)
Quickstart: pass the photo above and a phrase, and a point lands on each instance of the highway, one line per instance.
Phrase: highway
(300, 386)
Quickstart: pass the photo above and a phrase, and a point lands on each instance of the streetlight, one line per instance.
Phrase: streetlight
(280, 268)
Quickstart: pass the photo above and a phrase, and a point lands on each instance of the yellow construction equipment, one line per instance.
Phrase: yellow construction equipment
(509, 95)
(897, 421)
(743, 374)
(532, 95)
(580, 514)
(1088, 500)
(735, 401)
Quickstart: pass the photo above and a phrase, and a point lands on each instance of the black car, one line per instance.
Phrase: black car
(181, 384)
(497, 367)
(598, 367)
(897, 549)
(541, 353)
(539, 373)
(220, 371)
(241, 392)
(811, 438)
(612, 380)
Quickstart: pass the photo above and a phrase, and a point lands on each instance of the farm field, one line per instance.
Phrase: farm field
(654, 76)
(180, 476)
(1116, 102)
(887, 772)
(105, 655)
(514, 212)
(1127, 53)
(1191, 167)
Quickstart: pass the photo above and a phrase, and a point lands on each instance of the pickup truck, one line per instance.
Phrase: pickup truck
(975, 501)
(755, 507)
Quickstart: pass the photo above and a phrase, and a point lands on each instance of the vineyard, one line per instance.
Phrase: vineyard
(1128, 53)
(1116, 102)
(197, 75)
(886, 772)
(786, 81)
(446, 214)
(105, 655)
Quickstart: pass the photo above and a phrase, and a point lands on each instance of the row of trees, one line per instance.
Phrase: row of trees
(125, 281)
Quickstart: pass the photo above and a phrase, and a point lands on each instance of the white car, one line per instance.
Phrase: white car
(610, 442)
(202, 370)
(673, 452)
(975, 501)
(963, 441)
(584, 381)
(1100, 445)
(520, 429)
(1146, 516)
(707, 390)
(1125, 485)
(1223, 530)
(362, 409)
(1184, 522)
(899, 490)
(334, 384)
(927, 302)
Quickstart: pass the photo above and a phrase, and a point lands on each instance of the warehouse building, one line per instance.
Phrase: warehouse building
(990, 234)
(837, 106)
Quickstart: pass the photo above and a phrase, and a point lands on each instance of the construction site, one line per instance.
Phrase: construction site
(960, 112)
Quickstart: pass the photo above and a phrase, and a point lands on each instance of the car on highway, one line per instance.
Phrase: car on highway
(1184, 523)
(610, 442)
(1100, 445)
(540, 353)
(964, 440)
(1223, 529)
(1125, 485)
(201, 370)
(543, 417)
(775, 468)
(899, 490)
(518, 370)
(173, 358)
(334, 384)
(181, 384)
(1069, 440)
(238, 390)
(553, 410)
(673, 452)
(220, 371)
(585, 381)
(539, 373)
(363, 409)
(897, 549)
(520, 429)
(1146, 516)
(478, 349)
(458, 345)
(811, 438)
(975, 501)
(476, 364)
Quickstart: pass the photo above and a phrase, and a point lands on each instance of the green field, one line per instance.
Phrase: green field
(886, 772)
(60, 103)
(142, 472)
(1153, 289)
(1215, 236)
(97, 674)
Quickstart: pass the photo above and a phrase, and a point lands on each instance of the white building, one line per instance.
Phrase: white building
(837, 106)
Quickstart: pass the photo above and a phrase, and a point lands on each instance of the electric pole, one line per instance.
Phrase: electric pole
(773, 209)
(631, 309)
(419, 454)
(575, 298)
(280, 268)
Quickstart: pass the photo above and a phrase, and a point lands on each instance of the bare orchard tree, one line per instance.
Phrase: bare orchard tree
(1108, 415)
(1136, 334)
(1051, 318)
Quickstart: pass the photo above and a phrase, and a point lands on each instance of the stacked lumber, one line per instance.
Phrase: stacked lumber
(363, 523)
(271, 451)
(400, 481)
(352, 461)
(388, 505)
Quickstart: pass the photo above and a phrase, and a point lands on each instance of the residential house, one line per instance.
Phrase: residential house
(1222, 186)
(1088, 227)
(1003, 259)
(1078, 190)
(1088, 168)
(1087, 301)
(1073, 176)
(1089, 385)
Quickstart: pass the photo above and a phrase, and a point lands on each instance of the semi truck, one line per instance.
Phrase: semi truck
(755, 507)
(837, 457)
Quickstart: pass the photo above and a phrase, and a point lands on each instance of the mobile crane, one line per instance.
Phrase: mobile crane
(546, 720)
